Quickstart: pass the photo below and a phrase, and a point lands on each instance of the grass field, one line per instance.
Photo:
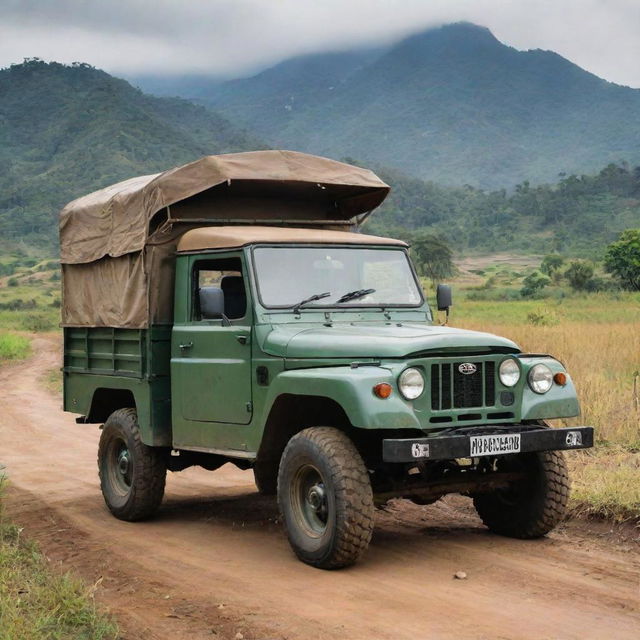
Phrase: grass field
(36, 604)
(30, 296)
(597, 337)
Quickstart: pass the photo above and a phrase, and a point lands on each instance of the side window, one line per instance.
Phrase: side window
(218, 287)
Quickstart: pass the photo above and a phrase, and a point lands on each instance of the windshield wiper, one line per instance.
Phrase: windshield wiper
(313, 298)
(354, 295)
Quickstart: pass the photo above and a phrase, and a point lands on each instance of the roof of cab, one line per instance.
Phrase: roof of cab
(206, 238)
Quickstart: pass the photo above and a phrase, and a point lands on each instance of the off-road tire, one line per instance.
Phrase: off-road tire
(535, 505)
(265, 475)
(140, 496)
(346, 487)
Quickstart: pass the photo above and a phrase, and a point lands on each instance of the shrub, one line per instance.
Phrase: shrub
(623, 259)
(534, 283)
(38, 322)
(578, 274)
(18, 304)
(542, 318)
(551, 264)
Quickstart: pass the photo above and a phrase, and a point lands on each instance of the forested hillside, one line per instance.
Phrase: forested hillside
(453, 105)
(579, 215)
(68, 130)
(65, 131)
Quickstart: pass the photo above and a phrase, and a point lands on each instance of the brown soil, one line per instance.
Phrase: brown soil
(215, 563)
(469, 265)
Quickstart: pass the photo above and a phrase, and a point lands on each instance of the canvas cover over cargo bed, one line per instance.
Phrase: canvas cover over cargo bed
(117, 245)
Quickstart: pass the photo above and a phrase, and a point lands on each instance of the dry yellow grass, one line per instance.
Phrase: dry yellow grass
(603, 359)
(606, 483)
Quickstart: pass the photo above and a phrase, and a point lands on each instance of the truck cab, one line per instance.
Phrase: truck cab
(310, 355)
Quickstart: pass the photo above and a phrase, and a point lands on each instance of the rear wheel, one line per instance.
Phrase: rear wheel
(325, 498)
(533, 506)
(132, 475)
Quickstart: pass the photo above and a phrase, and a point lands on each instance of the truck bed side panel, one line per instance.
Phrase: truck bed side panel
(110, 361)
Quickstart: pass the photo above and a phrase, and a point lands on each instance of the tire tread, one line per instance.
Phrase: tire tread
(149, 481)
(354, 521)
(546, 509)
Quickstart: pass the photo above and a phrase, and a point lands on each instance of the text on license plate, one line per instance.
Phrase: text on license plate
(494, 445)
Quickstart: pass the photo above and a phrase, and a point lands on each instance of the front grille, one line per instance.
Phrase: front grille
(452, 389)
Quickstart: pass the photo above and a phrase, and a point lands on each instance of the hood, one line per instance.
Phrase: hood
(375, 341)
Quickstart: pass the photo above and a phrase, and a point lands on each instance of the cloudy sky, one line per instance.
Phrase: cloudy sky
(234, 37)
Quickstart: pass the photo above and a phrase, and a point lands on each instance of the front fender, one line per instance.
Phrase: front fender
(352, 389)
(558, 402)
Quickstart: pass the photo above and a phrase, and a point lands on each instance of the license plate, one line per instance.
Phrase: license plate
(494, 445)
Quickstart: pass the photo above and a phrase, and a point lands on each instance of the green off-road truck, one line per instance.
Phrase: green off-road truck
(226, 311)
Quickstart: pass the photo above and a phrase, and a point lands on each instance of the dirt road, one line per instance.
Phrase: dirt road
(215, 562)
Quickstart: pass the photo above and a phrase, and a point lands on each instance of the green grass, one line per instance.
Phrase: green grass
(598, 308)
(13, 347)
(34, 321)
(36, 604)
(30, 298)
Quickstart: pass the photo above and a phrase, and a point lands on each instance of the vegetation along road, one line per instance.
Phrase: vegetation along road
(216, 559)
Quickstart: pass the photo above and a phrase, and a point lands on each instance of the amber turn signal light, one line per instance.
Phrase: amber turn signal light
(560, 378)
(382, 390)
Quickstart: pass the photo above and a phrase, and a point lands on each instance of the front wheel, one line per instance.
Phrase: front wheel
(533, 506)
(132, 475)
(325, 498)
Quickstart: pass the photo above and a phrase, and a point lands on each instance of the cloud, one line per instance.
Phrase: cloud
(232, 37)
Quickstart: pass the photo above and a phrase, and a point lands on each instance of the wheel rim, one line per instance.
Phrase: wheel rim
(120, 467)
(309, 500)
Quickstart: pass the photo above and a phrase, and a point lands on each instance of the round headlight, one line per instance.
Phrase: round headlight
(509, 372)
(411, 383)
(540, 378)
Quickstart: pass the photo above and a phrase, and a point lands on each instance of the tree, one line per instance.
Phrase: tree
(551, 264)
(433, 257)
(533, 283)
(579, 273)
(622, 259)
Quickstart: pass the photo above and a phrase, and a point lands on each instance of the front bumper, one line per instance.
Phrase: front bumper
(457, 443)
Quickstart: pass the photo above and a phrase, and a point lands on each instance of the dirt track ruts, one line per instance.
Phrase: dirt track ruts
(215, 561)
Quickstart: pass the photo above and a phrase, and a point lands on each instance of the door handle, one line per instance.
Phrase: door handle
(186, 345)
(242, 339)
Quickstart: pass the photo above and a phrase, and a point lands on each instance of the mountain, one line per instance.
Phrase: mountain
(300, 80)
(451, 104)
(191, 86)
(68, 130)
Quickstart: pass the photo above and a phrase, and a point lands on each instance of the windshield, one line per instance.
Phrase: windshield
(353, 277)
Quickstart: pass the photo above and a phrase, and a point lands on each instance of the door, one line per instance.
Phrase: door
(211, 354)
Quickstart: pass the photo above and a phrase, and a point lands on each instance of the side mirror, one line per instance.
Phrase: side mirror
(443, 297)
(211, 301)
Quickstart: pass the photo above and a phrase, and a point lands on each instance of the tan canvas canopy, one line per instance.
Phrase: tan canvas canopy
(118, 244)
(116, 220)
